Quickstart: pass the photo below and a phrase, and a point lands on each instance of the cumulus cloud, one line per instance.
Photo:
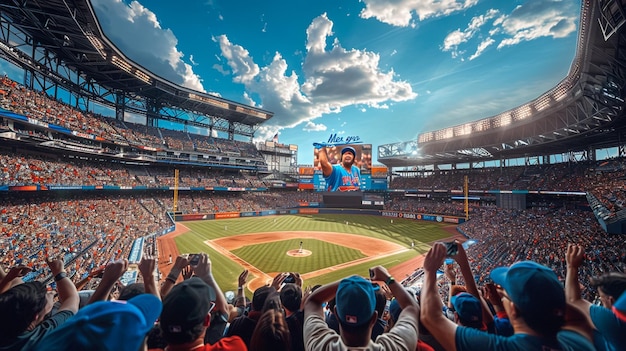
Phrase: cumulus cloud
(401, 12)
(333, 78)
(312, 127)
(532, 20)
(153, 46)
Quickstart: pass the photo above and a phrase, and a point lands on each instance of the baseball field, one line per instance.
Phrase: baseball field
(322, 248)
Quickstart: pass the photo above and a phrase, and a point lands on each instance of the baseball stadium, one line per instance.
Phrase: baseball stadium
(93, 191)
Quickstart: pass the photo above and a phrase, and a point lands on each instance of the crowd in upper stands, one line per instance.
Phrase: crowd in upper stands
(38, 106)
(485, 300)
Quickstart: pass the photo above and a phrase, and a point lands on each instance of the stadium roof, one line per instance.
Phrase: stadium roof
(70, 29)
(585, 110)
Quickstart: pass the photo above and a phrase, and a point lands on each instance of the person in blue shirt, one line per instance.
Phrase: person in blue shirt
(610, 330)
(344, 176)
(533, 299)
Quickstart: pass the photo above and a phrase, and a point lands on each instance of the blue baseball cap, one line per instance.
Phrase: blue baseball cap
(619, 308)
(106, 325)
(348, 149)
(535, 289)
(468, 307)
(355, 301)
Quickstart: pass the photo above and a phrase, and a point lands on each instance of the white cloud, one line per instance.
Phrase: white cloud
(248, 100)
(333, 78)
(220, 69)
(456, 38)
(312, 127)
(532, 20)
(481, 47)
(136, 31)
(539, 18)
(400, 12)
(192, 61)
(243, 67)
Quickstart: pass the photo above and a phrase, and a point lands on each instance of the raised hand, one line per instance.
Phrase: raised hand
(434, 257)
(574, 255)
(243, 277)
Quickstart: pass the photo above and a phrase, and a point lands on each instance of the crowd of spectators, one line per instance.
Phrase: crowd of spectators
(606, 180)
(506, 236)
(81, 236)
(86, 231)
(37, 106)
(286, 314)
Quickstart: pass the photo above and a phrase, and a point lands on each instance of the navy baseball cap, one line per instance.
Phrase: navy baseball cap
(348, 149)
(535, 289)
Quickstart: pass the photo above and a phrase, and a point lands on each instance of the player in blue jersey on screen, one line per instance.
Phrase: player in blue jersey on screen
(344, 176)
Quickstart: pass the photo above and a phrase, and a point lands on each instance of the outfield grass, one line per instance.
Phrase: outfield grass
(401, 231)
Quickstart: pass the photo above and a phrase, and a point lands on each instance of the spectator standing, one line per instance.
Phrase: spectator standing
(271, 333)
(291, 300)
(610, 330)
(243, 326)
(533, 298)
(186, 316)
(24, 307)
(356, 311)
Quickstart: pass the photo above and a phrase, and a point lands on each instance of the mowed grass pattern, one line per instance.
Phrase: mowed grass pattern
(401, 231)
(323, 254)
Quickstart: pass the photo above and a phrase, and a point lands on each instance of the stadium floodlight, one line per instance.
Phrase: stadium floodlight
(503, 120)
(142, 76)
(542, 103)
(560, 94)
(125, 66)
(97, 44)
(522, 112)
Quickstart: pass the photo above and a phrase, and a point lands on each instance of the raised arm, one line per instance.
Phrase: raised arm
(146, 267)
(327, 168)
(325, 293)
(440, 327)
(574, 257)
(13, 278)
(470, 284)
(172, 277)
(68, 296)
(405, 300)
(112, 273)
(203, 270)
(241, 288)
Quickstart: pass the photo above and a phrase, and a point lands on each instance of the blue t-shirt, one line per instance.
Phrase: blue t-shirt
(342, 180)
(28, 340)
(610, 332)
(470, 339)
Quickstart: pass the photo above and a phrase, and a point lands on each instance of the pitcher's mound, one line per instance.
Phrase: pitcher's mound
(299, 253)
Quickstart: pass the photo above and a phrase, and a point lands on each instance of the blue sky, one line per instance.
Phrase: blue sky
(383, 70)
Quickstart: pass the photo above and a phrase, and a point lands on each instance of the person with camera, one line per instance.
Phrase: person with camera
(243, 326)
(533, 298)
(356, 311)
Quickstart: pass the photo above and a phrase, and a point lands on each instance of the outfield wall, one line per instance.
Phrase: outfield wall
(314, 210)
